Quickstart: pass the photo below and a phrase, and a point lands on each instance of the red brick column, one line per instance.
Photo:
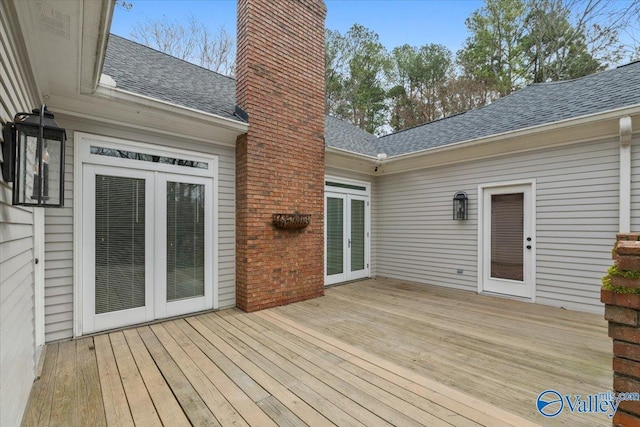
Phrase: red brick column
(280, 161)
(622, 310)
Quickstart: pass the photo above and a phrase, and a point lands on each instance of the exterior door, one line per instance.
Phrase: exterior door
(147, 246)
(184, 270)
(507, 241)
(346, 237)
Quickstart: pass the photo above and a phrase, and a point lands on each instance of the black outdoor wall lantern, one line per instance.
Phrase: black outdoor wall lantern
(33, 159)
(460, 205)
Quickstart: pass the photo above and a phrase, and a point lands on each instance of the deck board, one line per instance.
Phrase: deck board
(140, 403)
(116, 407)
(376, 352)
(89, 395)
(65, 407)
(38, 409)
(192, 404)
(169, 410)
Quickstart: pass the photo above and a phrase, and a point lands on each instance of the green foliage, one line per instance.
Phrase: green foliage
(493, 52)
(614, 271)
(418, 77)
(517, 42)
(355, 64)
(511, 43)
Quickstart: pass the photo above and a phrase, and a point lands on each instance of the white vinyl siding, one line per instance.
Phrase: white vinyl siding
(58, 255)
(576, 216)
(59, 226)
(339, 173)
(17, 336)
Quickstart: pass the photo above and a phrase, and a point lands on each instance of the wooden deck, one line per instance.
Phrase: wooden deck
(377, 352)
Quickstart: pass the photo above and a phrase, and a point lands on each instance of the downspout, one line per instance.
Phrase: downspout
(625, 174)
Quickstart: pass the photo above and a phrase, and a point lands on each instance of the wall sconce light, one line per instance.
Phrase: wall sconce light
(460, 206)
(33, 153)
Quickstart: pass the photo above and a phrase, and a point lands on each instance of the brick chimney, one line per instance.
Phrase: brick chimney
(280, 161)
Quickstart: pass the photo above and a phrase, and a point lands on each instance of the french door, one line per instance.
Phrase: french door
(507, 241)
(346, 248)
(147, 245)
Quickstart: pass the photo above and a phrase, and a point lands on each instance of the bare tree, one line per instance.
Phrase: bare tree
(191, 41)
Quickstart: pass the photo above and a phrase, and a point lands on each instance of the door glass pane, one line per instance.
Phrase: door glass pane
(507, 231)
(335, 237)
(185, 240)
(120, 243)
(357, 235)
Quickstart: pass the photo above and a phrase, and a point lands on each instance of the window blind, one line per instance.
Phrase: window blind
(335, 238)
(357, 235)
(120, 243)
(185, 240)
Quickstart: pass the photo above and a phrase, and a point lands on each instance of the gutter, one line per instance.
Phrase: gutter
(563, 124)
(626, 128)
(103, 37)
(348, 153)
(109, 92)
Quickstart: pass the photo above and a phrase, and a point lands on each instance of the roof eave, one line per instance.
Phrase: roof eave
(180, 110)
(126, 110)
(340, 158)
(97, 17)
(588, 127)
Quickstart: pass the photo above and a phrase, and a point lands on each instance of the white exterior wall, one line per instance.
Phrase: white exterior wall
(576, 206)
(635, 184)
(17, 336)
(59, 225)
(339, 173)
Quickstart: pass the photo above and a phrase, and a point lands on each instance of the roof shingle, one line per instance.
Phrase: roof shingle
(536, 104)
(145, 71)
(140, 69)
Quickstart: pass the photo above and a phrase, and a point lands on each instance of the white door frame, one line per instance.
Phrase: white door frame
(92, 322)
(348, 194)
(82, 143)
(484, 236)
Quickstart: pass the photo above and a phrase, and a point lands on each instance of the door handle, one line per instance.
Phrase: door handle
(349, 243)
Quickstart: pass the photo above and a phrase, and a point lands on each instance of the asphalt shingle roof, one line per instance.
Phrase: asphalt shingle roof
(140, 69)
(145, 71)
(344, 135)
(536, 104)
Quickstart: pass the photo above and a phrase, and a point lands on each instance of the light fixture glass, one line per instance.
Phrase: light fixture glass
(34, 159)
(460, 206)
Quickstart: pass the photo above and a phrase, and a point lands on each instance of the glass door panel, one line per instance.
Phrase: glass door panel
(119, 243)
(184, 253)
(507, 236)
(357, 235)
(185, 240)
(335, 235)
